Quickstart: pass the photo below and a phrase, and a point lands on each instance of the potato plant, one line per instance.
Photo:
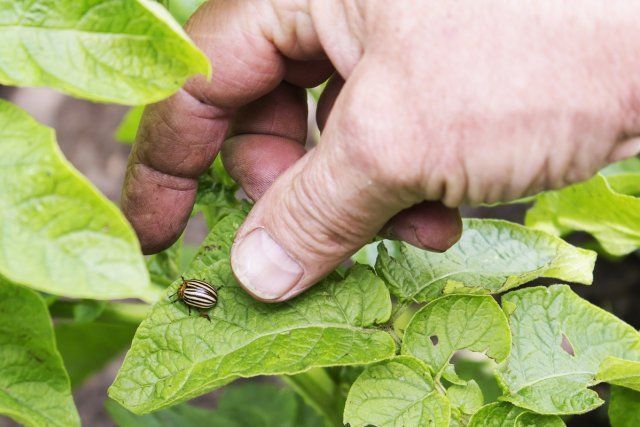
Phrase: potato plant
(393, 340)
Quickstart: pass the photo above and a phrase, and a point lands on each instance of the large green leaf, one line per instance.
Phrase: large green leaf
(58, 233)
(491, 256)
(620, 372)
(124, 51)
(175, 357)
(504, 414)
(34, 387)
(624, 407)
(243, 405)
(457, 322)
(397, 392)
(559, 344)
(594, 207)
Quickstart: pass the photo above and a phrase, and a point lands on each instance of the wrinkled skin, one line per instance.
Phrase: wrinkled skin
(431, 104)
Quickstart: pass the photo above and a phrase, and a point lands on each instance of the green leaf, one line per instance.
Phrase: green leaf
(504, 414)
(217, 194)
(491, 256)
(122, 51)
(59, 234)
(625, 373)
(466, 398)
(482, 372)
(88, 310)
(624, 407)
(182, 9)
(320, 391)
(175, 357)
(396, 392)
(457, 322)
(624, 176)
(34, 387)
(593, 207)
(87, 347)
(128, 127)
(167, 266)
(559, 343)
(243, 405)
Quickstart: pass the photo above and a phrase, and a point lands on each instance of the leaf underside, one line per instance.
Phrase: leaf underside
(65, 237)
(594, 207)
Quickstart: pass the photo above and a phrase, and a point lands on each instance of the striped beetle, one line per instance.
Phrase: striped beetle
(197, 294)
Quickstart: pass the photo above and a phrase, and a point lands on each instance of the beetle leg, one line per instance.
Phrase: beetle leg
(189, 309)
(205, 315)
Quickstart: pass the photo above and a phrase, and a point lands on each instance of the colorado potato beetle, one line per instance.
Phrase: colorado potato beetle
(197, 294)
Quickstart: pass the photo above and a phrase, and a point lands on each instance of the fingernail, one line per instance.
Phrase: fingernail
(263, 267)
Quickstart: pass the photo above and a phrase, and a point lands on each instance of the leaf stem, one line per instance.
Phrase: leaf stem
(319, 391)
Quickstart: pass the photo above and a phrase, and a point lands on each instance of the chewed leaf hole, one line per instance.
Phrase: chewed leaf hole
(434, 339)
(566, 346)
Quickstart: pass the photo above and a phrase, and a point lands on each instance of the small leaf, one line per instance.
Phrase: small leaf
(123, 51)
(175, 357)
(473, 322)
(87, 347)
(242, 405)
(216, 194)
(504, 414)
(593, 207)
(625, 373)
(128, 127)
(624, 407)
(88, 310)
(624, 176)
(396, 392)
(466, 398)
(34, 387)
(482, 372)
(542, 376)
(491, 256)
(65, 238)
(181, 9)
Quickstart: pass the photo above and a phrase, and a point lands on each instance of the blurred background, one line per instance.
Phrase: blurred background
(85, 133)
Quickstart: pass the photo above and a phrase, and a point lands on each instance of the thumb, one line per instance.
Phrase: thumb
(316, 214)
(313, 217)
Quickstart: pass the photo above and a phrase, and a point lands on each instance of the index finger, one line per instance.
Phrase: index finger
(179, 137)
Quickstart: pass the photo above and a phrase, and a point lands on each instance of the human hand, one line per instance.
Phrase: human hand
(459, 102)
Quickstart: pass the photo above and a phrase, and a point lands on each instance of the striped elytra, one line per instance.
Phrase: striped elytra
(198, 294)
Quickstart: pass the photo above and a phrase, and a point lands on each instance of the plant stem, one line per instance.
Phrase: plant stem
(319, 391)
(124, 312)
(114, 312)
